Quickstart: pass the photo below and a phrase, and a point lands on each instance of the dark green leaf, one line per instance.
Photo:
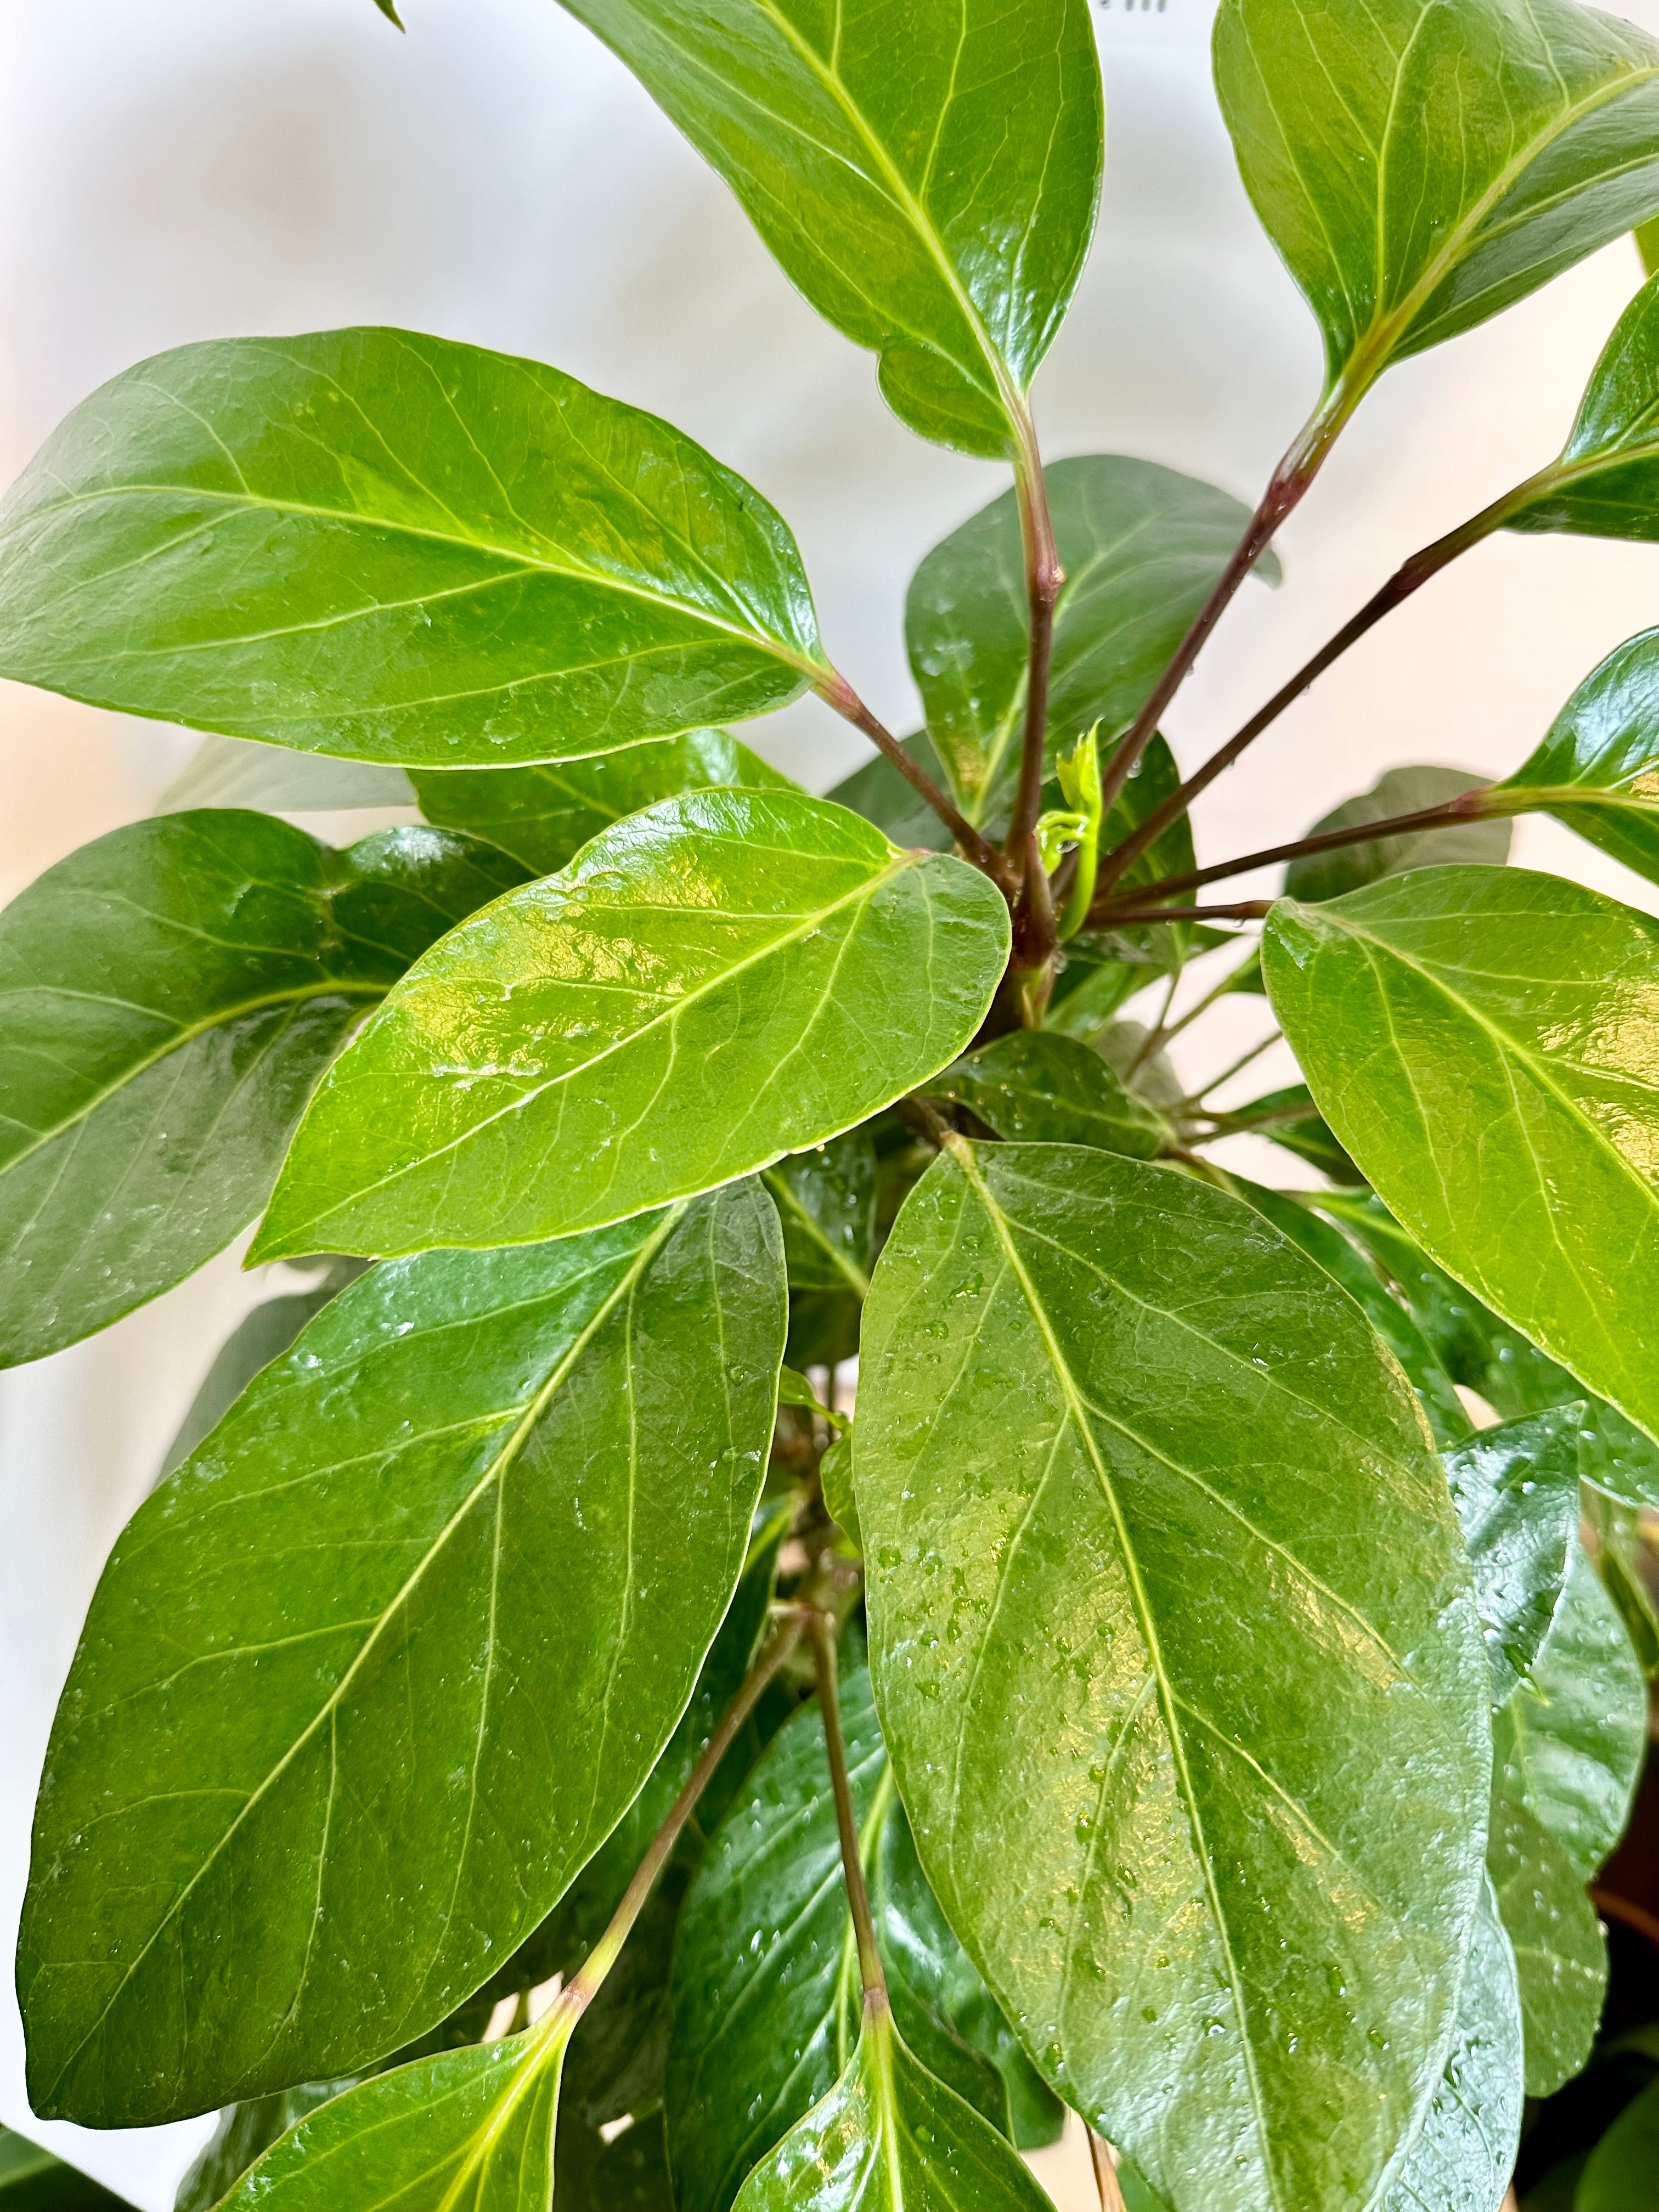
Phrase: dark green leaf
(483, 1624)
(1515, 1489)
(689, 1000)
(370, 543)
(1570, 1741)
(826, 1201)
(544, 816)
(32, 2180)
(1598, 770)
(1560, 1953)
(263, 1336)
(823, 1327)
(168, 996)
(1457, 1001)
(835, 1478)
(881, 795)
(1619, 2176)
(1401, 791)
(1116, 1437)
(238, 771)
(766, 1981)
(1422, 164)
(1606, 483)
(890, 2138)
(1141, 547)
(1049, 1089)
(927, 180)
(1463, 2158)
(1289, 1119)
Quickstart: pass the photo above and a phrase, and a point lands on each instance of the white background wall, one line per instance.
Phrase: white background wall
(191, 168)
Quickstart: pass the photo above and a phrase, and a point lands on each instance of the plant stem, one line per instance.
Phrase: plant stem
(1245, 910)
(1209, 999)
(1106, 2181)
(822, 1631)
(1410, 577)
(584, 1983)
(836, 691)
(1043, 578)
(1157, 1035)
(1471, 806)
(1197, 1098)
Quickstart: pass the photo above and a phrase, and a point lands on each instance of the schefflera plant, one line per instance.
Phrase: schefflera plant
(452, 1782)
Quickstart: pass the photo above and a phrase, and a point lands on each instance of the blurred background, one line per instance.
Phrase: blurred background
(197, 168)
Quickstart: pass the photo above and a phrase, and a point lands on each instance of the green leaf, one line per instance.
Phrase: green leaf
(32, 2180)
(1288, 1119)
(1607, 480)
(1620, 2175)
(890, 2137)
(835, 1479)
(1597, 771)
(246, 2132)
(1567, 1744)
(881, 795)
(238, 771)
(264, 1335)
(1401, 791)
(1141, 1428)
(440, 1451)
(1422, 164)
(168, 996)
(1646, 235)
(1463, 2158)
(374, 543)
(390, 12)
(470, 2129)
(928, 183)
(544, 816)
(1560, 1953)
(1436, 1394)
(1515, 1489)
(766, 1980)
(1048, 1089)
(1141, 547)
(689, 1001)
(826, 1201)
(1460, 1000)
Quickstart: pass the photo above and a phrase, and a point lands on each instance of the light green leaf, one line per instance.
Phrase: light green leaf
(1560, 1953)
(826, 1201)
(881, 795)
(689, 1000)
(168, 996)
(1422, 164)
(1115, 1435)
(1620, 2175)
(1606, 483)
(214, 1913)
(890, 2137)
(370, 543)
(1515, 1489)
(1463, 2158)
(32, 2180)
(928, 181)
(1141, 547)
(1646, 235)
(1568, 1743)
(1401, 791)
(246, 2132)
(767, 1995)
(544, 816)
(1048, 1089)
(1460, 1000)
(264, 1335)
(469, 2131)
(1598, 770)
(238, 771)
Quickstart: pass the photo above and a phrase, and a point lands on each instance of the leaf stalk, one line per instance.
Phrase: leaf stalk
(822, 1631)
(836, 691)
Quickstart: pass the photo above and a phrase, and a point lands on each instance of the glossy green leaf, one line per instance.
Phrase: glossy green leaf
(836, 1480)
(32, 2180)
(1568, 1743)
(1141, 546)
(1436, 1394)
(245, 2132)
(1606, 483)
(468, 2130)
(1560, 1953)
(1422, 164)
(881, 795)
(1619, 2176)
(544, 816)
(826, 1201)
(727, 978)
(239, 772)
(370, 543)
(1288, 1119)
(890, 2137)
(1115, 1435)
(451, 1439)
(1465, 2155)
(262, 1336)
(1048, 1089)
(1401, 791)
(1598, 770)
(1460, 1000)
(168, 996)
(766, 1982)
(927, 180)
(1515, 1489)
